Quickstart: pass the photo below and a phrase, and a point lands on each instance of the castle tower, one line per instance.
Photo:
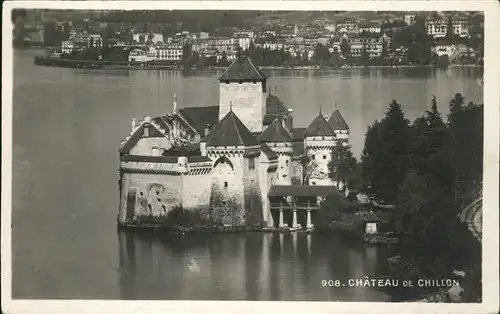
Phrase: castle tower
(338, 125)
(319, 139)
(234, 151)
(280, 141)
(242, 86)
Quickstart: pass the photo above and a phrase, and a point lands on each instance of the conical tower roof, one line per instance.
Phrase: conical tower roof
(337, 122)
(275, 133)
(319, 127)
(230, 131)
(242, 69)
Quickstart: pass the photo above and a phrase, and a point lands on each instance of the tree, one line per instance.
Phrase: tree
(307, 165)
(342, 167)
(449, 28)
(321, 54)
(345, 48)
(385, 155)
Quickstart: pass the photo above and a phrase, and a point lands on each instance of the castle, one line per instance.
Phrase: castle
(242, 147)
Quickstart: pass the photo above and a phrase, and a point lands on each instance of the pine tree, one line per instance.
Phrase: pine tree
(342, 167)
(385, 156)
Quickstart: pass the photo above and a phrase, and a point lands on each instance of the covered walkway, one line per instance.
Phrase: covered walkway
(285, 199)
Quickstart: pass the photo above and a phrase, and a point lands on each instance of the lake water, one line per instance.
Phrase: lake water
(67, 126)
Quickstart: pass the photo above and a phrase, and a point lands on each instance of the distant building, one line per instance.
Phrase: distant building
(222, 44)
(438, 27)
(245, 33)
(370, 28)
(444, 48)
(139, 55)
(167, 52)
(67, 46)
(244, 41)
(347, 26)
(142, 38)
(409, 18)
(94, 40)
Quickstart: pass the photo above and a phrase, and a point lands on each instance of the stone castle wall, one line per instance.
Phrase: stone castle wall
(156, 188)
(155, 194)
(320, 150)
(227, 190)
(252, 193)
(196, 190)
(267, 178)
(247, 100)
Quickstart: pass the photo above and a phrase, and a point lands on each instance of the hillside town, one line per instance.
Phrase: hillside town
(444, 37)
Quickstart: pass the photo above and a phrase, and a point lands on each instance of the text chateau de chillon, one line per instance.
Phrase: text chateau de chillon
(247, 150)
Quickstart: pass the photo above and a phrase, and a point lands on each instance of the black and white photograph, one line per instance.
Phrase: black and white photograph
(207, 152)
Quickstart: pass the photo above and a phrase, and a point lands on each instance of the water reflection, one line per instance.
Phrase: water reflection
(253, 266)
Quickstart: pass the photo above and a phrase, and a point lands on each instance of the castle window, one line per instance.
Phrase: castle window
(223, 203)
(251, 163)
(225, 184)
(287, 162)
(324, 156)
(313, 183)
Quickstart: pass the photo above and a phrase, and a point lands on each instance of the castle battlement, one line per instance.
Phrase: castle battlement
(166, 165)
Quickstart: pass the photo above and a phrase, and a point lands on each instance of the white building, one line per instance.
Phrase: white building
(439, 27)
(348, 26)
(139, 55)
(167, 52)
(370, 28)
(147, 37)
(67, 46)
(244, 42)
(409, 18)
(445, 49)
(94, 40)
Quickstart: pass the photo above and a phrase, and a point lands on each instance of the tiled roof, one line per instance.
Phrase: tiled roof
(275, 108)
(230, 131)
(302, 190)
(137, 135)
(275, 133)
(242, 69)
(200, 117)
(319, 127)
(274, 105)
(337, 122)
(268, 152)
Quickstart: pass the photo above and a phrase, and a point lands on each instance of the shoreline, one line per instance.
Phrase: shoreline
(125, 65)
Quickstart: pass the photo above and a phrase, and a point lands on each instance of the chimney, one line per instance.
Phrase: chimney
(207, 129)
(134, 123)
(290, 111)
(174, 103)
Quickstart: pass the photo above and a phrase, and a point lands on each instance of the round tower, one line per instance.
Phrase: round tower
(319, 140)
(280, 141)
